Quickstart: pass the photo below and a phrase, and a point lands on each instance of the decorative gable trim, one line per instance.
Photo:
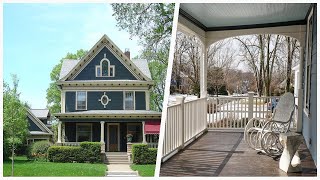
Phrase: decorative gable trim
(106, 42)
(39, 123)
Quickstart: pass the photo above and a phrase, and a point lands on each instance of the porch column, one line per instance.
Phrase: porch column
(203, 72)
(300, 88)
(102, 137)
(143, 133)
(63, 127)
(59, 132)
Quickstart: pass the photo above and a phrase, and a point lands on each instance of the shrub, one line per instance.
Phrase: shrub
(141, 154)
(91, 151)
(88, 151)
(64, 154)
(38, 150)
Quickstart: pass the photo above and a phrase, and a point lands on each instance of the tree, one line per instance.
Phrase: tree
(152, 24)
(15, 125)
(53, 92)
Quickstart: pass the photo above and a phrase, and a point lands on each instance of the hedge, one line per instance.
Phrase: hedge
(141, 154)
(87, 152)
(38, 150)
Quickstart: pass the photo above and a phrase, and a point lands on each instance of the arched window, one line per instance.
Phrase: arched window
(104, 69)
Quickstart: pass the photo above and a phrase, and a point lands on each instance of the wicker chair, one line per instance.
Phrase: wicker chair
(262, 134)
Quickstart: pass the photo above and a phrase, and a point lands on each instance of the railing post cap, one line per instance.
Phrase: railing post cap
(250, 92)
(180, 99)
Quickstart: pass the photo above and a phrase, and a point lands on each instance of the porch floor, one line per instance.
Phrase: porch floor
(227, 154)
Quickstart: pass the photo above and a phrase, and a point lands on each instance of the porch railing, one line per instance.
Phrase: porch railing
(70, 143)
(188, 120)
(152, 145)
(185, 122)
(235, 112)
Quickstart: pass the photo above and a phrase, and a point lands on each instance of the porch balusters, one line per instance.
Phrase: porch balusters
(102, 137)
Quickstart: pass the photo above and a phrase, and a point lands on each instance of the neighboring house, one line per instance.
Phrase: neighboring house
(105, 96)
(38, 125)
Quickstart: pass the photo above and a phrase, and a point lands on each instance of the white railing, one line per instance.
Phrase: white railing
(185, 122)
(152, 145)
(235, 112)
(70, 143)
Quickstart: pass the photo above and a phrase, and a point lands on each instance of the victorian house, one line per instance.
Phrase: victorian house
(105, 96)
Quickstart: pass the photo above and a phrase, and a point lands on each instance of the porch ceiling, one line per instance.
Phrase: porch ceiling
(222, 16)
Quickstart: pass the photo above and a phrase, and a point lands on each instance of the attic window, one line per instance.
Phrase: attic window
(105, 69)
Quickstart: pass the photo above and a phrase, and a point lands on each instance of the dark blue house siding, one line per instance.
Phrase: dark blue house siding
(140, 101)
(89, 72)
(116, 102)
(33, 126)
(70, 101)
(93, 102)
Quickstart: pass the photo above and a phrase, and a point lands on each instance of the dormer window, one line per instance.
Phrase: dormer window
(105, 69)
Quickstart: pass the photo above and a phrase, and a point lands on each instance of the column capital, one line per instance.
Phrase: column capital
(102, 122)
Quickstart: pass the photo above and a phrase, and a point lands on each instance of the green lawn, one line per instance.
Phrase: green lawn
(23, 167)
(144, 170)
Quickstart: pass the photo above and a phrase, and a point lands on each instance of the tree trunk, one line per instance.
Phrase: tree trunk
(289, 63)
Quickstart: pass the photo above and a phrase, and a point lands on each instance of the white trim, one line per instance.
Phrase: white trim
(101, 69)
(90, 124)
(39, 123)
(108, 99)
(123, 62)
(108, 135)
(76, 108)
(63, 101)
(308, 64)
(134, 100)
(104, 88)
(147, 98)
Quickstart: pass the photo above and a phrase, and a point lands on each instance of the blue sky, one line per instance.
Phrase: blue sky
(37, 36)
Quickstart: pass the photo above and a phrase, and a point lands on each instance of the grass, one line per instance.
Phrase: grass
(24, 167)
(144, 170)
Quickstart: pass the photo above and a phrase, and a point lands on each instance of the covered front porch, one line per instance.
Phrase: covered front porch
(110, 129)
(204, 136)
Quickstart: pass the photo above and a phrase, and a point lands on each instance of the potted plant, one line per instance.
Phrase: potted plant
(129, 137)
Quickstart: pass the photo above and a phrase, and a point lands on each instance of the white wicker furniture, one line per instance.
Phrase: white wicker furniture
(262, 134)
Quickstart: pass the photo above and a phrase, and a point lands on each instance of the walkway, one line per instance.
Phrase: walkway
(120, 170)
(226, 154)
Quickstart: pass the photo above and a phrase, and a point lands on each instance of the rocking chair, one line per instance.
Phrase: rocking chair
(262, 134)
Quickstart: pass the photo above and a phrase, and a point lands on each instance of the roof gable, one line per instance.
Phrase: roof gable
(104, 43)
(38, 123)
(40, 113)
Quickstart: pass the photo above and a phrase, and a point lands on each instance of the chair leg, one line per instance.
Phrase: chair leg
(270, 144)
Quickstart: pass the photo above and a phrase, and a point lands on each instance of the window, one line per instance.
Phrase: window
(128, 101)
(81, 100)
(84, 132)
(104, 69)
(308, 63)
(136, 130)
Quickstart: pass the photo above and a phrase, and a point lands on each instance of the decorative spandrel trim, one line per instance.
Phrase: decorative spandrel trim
(104, 100)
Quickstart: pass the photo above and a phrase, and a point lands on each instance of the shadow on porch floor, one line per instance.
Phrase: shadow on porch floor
(227, 154)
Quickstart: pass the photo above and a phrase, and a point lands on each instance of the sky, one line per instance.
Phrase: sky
(37, 36)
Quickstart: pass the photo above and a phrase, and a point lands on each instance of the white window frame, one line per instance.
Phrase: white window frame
(109, 67)
(88, 124)
(124, 100)
(77, 100)
(307, 74)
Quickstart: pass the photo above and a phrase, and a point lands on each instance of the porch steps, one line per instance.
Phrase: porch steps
(117, 158)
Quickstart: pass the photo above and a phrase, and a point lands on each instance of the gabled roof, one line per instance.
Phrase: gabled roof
(38, 122)
(69, 64)
(40, 113)
(68, 73)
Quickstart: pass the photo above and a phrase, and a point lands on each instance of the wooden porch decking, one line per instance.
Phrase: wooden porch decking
(227, 154)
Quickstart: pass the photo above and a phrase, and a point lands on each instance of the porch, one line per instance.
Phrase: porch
(227, 154)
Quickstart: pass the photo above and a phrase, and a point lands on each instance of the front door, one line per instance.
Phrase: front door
(113, 137)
